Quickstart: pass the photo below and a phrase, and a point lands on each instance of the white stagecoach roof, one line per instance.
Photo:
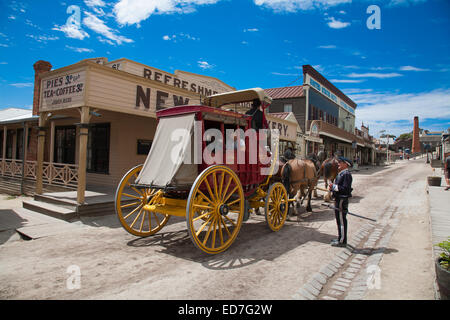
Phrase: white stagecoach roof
(246, 95)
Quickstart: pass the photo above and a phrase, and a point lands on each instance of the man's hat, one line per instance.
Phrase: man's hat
(343, 159)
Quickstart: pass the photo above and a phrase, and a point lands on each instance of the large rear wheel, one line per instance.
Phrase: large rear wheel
(215, 209)
(130, 202)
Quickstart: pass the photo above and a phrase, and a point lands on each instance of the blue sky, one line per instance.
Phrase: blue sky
(393, 73)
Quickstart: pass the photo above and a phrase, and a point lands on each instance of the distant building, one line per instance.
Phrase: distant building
(325, 115)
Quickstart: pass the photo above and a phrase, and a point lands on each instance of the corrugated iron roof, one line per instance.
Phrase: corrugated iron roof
(285, 92)
(12, 113)
(280, 115)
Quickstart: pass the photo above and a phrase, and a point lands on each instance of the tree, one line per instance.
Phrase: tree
(405, 136)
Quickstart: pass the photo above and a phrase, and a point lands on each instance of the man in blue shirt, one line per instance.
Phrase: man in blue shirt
(342, 190)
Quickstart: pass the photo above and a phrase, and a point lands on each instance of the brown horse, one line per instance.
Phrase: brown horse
(329, 169)
(299, 177)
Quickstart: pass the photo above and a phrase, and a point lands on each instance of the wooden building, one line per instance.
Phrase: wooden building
(92, 121)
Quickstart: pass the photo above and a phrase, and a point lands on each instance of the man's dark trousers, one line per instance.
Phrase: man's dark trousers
(341, 218)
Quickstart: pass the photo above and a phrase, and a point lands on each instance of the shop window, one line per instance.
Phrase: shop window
(98, 148)
(143, 146)
(287, 107)
(65, 139)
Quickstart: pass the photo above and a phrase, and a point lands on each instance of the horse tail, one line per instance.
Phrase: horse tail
(286, 176)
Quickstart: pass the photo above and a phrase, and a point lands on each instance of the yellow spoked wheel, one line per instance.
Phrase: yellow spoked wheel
(215, 209)
(277, 206)
(129, 203)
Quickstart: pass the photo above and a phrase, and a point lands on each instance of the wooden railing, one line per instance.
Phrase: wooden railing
(52, 173)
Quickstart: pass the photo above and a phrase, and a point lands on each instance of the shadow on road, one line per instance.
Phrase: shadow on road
(255, 242)
(9, 222)
(371, 251)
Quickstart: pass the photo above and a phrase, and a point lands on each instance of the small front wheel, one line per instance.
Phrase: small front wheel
(276, 207)
(130, 202)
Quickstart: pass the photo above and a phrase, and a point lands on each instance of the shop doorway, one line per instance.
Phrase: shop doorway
(98, 148)
(65, 140)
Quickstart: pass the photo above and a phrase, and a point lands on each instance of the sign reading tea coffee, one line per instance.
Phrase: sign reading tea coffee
(63, 90)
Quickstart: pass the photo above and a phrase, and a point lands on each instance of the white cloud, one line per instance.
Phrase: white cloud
(94, 23)
(347, 80)
(374, 75)
(181, 36)
(80, 50)
(298, 5)
(22, 85)
(394, 3)
(42, 38)
(72, 31)
(336, 24)
(330, 46)
(105, 41)
(244, 42)
(284, 74)
(96, 6)
(251, 30)
(11, 17)
(31, 24)
(204, 65)
(130, 12)
(3, 62)
(411, 68)
(356, 90)
(395, 112)
(94, 3)
(319, 68)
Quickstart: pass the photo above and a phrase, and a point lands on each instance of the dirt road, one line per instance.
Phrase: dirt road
(260, 264)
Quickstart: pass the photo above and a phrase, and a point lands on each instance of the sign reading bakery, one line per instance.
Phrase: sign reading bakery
(62, 90)
(287, 129)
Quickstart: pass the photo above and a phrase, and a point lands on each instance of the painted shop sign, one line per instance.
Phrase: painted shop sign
(287, 131)
(162, 99)
(197, 84)
(63, 90)
(327, 93)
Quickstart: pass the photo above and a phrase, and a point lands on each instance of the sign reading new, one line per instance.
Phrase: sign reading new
(123, 86)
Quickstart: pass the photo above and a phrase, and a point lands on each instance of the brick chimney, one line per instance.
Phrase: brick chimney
(40, 66)
(415, 140)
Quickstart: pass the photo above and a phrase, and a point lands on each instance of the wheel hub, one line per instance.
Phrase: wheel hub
(224, 209)
(282, 207)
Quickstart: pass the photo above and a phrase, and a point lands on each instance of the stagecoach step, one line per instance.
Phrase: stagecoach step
(50, 209)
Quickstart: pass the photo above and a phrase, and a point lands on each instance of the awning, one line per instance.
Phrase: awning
(313, 139)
